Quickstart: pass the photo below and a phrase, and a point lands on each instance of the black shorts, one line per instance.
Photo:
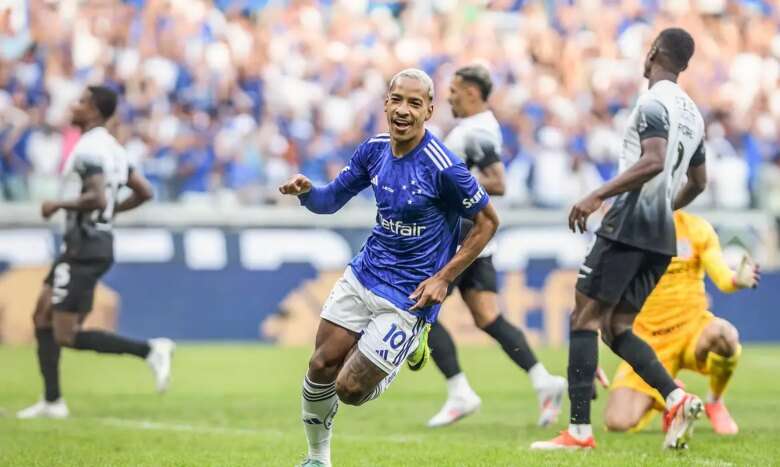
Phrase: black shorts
(480, 275)
(615, 272)
(73, 283)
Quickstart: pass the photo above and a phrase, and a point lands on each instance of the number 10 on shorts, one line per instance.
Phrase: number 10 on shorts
(395, 337)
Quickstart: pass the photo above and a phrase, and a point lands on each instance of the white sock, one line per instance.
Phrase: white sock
(318, 406)
(580, 432)
(674, 398)
(383, 385)
(539, 375)
(458, 385)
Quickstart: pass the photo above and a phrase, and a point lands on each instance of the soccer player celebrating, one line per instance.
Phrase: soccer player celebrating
(102, 167)
(636, 242)
(477, 140)
(378, 313)
(676, 324)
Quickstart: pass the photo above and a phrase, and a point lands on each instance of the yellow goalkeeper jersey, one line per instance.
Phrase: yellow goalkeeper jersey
(680, 298)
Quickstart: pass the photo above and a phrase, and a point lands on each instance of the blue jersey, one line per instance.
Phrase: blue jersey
(420, 199)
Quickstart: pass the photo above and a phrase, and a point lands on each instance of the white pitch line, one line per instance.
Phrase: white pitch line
(202, 429)
(171, 426)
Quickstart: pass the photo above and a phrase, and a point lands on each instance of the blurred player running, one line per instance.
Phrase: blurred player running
(636, 242)
(477, 140)
(676, 324)
(102, 167)
(378, 313)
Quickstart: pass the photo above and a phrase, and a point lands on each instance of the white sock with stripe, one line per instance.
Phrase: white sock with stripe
(319, 404)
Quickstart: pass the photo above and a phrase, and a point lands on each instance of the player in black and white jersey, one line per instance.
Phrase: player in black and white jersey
(477, 140)
(100, 165)
(636, 242)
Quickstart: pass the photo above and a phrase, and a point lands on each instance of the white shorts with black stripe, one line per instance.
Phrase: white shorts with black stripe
(387, 333)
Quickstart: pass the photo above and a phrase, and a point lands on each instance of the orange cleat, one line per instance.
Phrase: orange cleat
(565, 441)
(720, 418)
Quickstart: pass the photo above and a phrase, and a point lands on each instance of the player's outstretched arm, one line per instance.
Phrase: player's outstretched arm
(92, 198)
(142, 192)
(697, 182)
(434, 289)
(648, 166)
(322, 200)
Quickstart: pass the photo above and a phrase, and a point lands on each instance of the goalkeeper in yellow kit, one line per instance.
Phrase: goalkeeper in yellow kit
(675, 322)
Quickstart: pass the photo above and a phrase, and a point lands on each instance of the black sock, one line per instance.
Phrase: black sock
(583, 360)
(644, 361)
(513, 342)
(49, 363)
(106, 342)
(443, 350)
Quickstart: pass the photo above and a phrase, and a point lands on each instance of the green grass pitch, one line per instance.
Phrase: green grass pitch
(239, 405)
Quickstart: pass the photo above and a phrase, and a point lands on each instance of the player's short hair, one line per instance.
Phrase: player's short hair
(417, 74)
(479, 76)
(677, 46)
(104, 99)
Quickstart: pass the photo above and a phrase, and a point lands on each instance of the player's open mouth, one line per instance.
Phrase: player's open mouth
(401, 125)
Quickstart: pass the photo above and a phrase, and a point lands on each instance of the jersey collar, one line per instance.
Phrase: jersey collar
(423, 142)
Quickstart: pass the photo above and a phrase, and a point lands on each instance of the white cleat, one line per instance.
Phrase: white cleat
(454, 409)
(680, 420)
(159, 360)
(550, 400)
(44, 409)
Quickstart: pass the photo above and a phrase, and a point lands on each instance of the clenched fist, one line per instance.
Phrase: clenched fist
(297, 185)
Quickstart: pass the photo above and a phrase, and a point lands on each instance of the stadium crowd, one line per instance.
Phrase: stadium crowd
(223, 100)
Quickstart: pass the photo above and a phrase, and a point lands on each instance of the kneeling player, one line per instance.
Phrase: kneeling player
(676, 324)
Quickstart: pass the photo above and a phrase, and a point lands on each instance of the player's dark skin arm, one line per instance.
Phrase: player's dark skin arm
(697, 182)
(93, 198)
(650, 164)
(142, 192)
(492, 179)
(434, 289)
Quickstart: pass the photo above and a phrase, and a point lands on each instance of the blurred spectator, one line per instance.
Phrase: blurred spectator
(223, 99)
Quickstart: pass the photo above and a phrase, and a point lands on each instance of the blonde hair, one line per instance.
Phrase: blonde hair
(419, 75)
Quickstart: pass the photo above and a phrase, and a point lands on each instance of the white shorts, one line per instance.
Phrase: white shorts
(387, 333)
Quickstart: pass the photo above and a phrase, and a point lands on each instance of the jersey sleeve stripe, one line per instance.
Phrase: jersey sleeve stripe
(440, 151)
(379, 140)
(433, 158)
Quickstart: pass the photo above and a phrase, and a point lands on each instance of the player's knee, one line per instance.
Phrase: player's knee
(617, 421)
(583, 321)
(323, 367)
(610, 330)
(726, 339)
(483, 317)
(41, 319)
(42, 314)
(349, 392)
(64, 337)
